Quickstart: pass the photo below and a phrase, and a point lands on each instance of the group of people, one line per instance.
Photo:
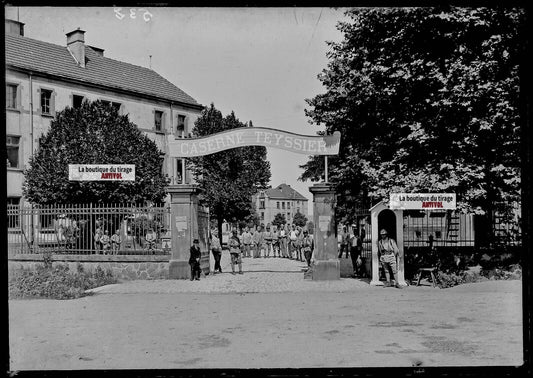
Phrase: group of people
(290, 242)
(103, 243)
(351, 244)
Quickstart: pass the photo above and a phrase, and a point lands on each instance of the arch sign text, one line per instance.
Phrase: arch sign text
(255, 136)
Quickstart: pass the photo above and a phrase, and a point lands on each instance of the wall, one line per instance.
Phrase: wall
(122, 267)
(140, 111)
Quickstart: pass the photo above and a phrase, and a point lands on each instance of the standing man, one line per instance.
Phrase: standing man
(275, 241)
(293, 240)
(283, 241)
(247, 242)
(344, 242)
(388, 253)
(307, 247)
(216, 249)
(194, 260)
(115, 241)
(356, 246)
(299, 243)
(268, 241)
(235, 252)
(97, 239)
(106, 242)
(258, 241)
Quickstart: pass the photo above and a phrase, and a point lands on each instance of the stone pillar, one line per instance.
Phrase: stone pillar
(184, 225)
(375, 238)
(326, 264)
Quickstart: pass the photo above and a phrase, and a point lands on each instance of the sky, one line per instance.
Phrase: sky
(261, 63)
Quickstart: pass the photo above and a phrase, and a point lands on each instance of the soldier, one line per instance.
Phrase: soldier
(275, 241)
(150, 239)
(388, 253)
(247, 242)
(235, 252)
(97, 239)
(116, 241)
(344, 242)
(105, 240)
(307, 247)
(258, 242)
(216, 248)
(194, 260)
(268, 241)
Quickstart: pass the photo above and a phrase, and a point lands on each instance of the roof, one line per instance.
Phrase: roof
(284, 191)
(47, 58)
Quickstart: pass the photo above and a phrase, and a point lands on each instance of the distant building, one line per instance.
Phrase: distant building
(43, 78)
(280, 199)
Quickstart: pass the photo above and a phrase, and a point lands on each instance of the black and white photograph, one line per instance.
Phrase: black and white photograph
(242, 189)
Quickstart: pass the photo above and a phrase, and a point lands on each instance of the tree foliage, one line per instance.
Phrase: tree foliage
(426, 100)
(279, 220)
(299, 219)
(94, 134)
(229, 178)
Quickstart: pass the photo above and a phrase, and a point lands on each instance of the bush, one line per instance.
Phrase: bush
(512, 272)
(56, 282)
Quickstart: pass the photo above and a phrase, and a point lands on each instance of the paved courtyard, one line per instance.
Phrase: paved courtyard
(270, 317)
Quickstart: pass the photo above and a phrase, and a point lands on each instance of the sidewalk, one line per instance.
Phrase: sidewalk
(261, 275)
(270, 317)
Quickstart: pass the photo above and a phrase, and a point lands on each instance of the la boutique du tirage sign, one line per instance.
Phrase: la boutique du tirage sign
(255, 136)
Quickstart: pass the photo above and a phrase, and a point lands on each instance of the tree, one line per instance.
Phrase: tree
(228, 178)
(279, 220)
(94, 134)
(426, 100)
(299, 219)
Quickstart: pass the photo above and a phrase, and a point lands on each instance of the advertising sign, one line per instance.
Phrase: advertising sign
(422, 201)
(101, 172)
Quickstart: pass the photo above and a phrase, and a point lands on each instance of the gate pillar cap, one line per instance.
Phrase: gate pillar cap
(322, 187)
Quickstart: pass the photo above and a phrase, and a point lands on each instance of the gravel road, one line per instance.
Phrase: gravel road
(270, 317)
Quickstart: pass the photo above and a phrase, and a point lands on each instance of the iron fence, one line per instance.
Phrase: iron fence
(123, 229)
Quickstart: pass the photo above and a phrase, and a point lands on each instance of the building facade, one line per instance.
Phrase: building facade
(281, 199)
(44, 78)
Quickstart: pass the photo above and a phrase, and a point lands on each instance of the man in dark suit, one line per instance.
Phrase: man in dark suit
(194, 260)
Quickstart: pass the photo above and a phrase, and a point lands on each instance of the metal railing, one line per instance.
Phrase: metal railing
(121, 229)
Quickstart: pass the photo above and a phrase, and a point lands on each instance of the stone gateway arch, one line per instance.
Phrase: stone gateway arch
(187, 219)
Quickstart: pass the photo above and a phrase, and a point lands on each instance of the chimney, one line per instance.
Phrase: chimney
(76, 45)
(14, 27)
(97, 50)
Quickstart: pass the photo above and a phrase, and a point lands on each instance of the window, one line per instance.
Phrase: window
(115, 105)
(283, 205)
(158, 120)
(418, 234)
(11, 96)
(77, 101)
(180, 127)
(262, 204)
(12, 146)
(262, 216)
(46, 101)
(288, 205)
(179, 170)
(277, 205)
